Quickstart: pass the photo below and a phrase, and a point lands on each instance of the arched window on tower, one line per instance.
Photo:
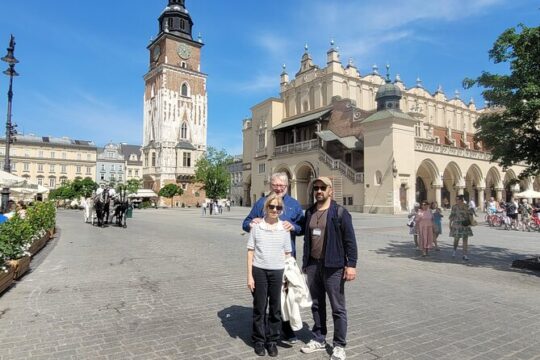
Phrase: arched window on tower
(153, 159)
(184, 90)
(183, 133)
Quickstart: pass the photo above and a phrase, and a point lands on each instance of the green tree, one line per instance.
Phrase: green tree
(84, 187)
(510, 128)
(212, 170)
(133, 185)
(170, 190)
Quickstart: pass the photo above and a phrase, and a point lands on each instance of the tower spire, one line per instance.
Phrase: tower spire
(175, 19)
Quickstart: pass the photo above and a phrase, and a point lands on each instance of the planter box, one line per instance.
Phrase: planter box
(6, 279)
(38, 244)
(20, 266)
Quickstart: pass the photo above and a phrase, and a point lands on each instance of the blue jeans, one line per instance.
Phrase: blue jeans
(324, 281)
(267, 293)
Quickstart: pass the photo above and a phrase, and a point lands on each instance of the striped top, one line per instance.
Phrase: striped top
(269, 246)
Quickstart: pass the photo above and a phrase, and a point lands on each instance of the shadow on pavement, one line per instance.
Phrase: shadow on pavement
(480, 256)
(237, 320)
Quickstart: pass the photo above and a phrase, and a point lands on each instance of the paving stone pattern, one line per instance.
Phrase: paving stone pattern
(173, 286)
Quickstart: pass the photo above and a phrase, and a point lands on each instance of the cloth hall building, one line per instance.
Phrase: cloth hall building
(384, 145)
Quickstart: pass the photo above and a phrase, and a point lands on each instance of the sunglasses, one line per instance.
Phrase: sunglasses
(317, 188)
(275, 207)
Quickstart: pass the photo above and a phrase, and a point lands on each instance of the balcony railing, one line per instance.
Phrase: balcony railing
(335, 164)
(431, 147)
(296, 147)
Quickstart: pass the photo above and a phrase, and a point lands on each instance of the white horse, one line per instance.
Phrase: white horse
(88, 210)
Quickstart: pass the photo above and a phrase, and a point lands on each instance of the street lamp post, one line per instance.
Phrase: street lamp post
(10, 128)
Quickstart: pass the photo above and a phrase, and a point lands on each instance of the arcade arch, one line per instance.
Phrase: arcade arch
(304, 175)
(427, 182)
(474, 185)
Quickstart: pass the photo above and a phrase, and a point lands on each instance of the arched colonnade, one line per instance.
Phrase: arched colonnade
(443, 181)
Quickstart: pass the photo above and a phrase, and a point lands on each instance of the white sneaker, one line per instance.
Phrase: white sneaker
(338, 353)
(465, 257)
(313, 346)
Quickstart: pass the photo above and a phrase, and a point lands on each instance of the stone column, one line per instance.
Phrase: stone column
(437, 189)
(461, 190)
(480, 198)
(293, 188)
(498, 192)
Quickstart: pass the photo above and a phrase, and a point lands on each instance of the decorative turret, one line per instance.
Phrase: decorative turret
(388, 95)
(284, 75)
(175, 19)
(307, 62)
(332, 55)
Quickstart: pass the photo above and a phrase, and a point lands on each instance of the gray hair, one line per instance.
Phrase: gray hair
(281, 175)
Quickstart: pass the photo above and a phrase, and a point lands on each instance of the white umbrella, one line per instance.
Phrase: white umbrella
(528, 194)
(10, 180)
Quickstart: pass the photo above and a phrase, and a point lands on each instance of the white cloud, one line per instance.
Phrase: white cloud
(274, 45)
(261, 82)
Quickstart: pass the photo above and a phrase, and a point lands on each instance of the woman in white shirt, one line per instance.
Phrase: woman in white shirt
(268, 245)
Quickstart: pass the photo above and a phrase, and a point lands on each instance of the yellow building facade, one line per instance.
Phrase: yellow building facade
(51, 161)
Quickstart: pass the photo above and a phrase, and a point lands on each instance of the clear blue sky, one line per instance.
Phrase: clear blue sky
(82, 62)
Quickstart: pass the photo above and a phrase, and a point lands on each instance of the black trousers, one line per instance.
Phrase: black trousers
(323, 281)
(267, 294)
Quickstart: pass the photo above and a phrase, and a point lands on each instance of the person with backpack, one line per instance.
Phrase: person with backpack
(512, 212)
(525, 211)
(329, 260)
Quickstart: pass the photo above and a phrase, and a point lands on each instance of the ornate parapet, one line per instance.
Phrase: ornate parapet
(431, 147)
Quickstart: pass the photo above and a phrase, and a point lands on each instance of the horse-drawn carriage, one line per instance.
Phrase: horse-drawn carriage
(108, 206)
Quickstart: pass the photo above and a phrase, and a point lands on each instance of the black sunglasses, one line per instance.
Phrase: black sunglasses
(317, 188)
(276, 207)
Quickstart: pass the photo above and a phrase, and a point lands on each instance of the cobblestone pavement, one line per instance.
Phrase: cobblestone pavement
(173, 286)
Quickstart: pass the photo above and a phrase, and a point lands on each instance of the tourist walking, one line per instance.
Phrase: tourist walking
(424, 226)
(330, 255)
(437, 223)
(268, 245)
(460, 225)
(292, 217)
(412, 224)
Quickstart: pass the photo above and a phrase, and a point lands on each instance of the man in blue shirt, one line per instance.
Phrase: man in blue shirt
(293, 221)
(292, 215)
(3, 218)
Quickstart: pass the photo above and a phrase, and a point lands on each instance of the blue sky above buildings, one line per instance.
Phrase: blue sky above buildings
(82, 62)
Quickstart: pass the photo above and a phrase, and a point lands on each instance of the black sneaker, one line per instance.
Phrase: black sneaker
(259, 349)
(272, 349)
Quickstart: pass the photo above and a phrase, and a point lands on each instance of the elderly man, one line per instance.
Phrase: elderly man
(330, 255)
(293, 221)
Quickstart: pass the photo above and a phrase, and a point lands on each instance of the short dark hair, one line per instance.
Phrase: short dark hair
(461, 197)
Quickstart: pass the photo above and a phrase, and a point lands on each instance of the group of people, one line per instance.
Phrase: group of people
(12, 209)
(215, 207)
(517, 214)
(425, 224)
(329, 260)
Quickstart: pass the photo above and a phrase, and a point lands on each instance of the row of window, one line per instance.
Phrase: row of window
(186, 160)
(111, 178)
(52, 181)
(41, 154)
(52, 168)
(114, 167)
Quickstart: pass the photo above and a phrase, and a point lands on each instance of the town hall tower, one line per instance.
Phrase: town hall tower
(175, 103)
